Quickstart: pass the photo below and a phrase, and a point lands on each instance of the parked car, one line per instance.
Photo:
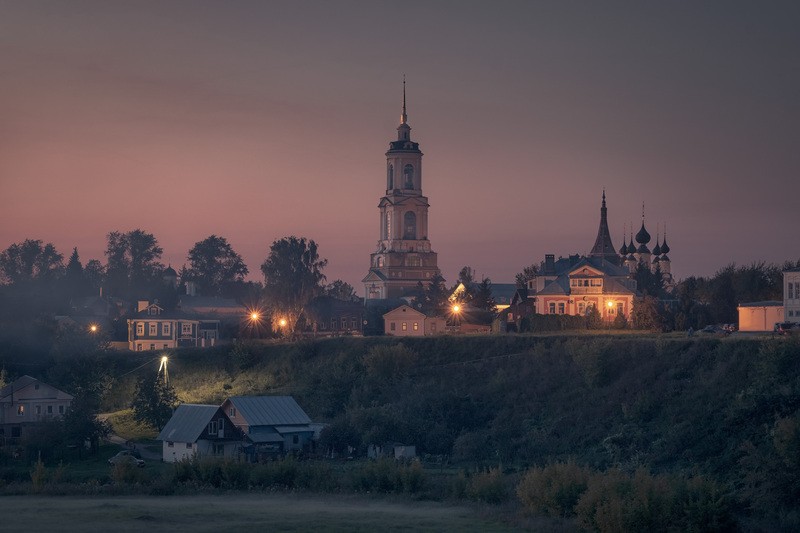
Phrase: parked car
(127, 457)
(785, 328)
(715, 329)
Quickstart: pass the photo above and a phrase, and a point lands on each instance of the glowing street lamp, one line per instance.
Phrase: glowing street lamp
(93, 328)
(164, 361)
(282, 323)
(254, 316)
(456, 310)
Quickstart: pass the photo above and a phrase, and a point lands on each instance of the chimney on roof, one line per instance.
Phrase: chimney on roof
(141, 305)
(549, 264)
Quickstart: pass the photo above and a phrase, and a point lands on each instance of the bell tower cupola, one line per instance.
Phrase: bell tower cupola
(403, 257)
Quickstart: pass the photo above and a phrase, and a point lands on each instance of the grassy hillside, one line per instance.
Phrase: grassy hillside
(727, 409)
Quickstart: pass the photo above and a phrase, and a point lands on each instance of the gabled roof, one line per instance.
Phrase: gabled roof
(188, 422)
(374, 275)
(559, 285)
(269, 410)
(24, 382)
(405, 309)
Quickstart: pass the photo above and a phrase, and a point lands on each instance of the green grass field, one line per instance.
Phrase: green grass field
(237, 512)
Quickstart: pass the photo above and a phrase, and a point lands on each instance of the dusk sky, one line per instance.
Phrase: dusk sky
(258, 120)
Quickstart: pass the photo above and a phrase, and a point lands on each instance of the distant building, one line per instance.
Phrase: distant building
(271, 425)
(154, 329)
(406, 321)
(403, 258)
(329, 316)
(27, 402)
(791, 295)
(760, 316)
(199, 431)
(573, 286)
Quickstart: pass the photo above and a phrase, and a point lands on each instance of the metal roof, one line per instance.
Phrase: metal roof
(188, 422)
(261, 435)
(269, 410)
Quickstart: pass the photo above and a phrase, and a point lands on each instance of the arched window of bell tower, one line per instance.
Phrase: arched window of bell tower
(390, 177)
(410, 225)
(408, 175)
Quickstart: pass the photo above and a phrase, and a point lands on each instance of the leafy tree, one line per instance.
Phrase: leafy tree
(81, 423)
(292, 277)
(95, 275)
(28, 261)
(213, 265)
(153, 402)
(722, 295)
(528, 273)
(133, 266)
(341, 290)
(646, 314)
(649, 282)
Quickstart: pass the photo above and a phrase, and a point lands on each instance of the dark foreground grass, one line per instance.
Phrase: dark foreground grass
(237, 512)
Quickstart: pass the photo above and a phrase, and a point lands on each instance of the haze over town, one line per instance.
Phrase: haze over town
(256, 120)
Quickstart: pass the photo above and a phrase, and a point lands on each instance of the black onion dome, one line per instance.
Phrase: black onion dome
(665, 257)
(624, 249)
(664, 247)
(643, 249)
(631, 246)
(643, 237)
(657, 249)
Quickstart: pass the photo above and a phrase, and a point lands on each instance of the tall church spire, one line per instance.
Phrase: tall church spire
(404, 116)
(603, 247)
(403, 258)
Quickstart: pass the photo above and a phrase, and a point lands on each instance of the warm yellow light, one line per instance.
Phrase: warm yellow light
(164, 360)
(610, 304)
(282, 322)
(456, 308)
(93, 328)
(254, 316)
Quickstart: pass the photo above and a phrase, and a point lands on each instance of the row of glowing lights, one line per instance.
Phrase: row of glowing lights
(255, 317)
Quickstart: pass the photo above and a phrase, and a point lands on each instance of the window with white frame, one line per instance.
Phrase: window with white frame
(561, 308)
(186, 328)
(152, 329)
(212, 427)
(166, 329)
(552, 308)
(140, 328)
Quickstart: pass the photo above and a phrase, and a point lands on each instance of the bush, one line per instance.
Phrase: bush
(554, 489)
(488, 487)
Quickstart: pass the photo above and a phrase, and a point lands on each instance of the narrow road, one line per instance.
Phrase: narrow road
(129, 445)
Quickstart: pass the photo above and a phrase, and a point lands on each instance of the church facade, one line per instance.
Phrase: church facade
(403, 257)
(603, 279)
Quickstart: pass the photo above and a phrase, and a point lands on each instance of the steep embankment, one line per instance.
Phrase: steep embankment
(726, 408)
